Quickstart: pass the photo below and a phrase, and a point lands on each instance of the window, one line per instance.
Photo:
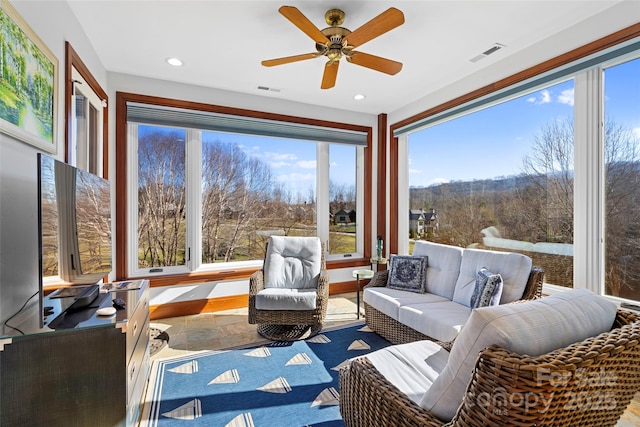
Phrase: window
(622, 179)
(597, 170)
(207, 200)
(500, 178)
(343, 199)
(86, 138)
(86, 117)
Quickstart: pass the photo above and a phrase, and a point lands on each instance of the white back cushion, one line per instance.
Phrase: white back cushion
(292, 262)
(532, 328)
(443, 267)
(513, 267)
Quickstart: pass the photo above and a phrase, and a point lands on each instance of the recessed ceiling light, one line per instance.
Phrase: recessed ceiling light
(359, 97)
(174, 61)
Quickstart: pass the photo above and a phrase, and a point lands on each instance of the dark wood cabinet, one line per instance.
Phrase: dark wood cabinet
(91, 374)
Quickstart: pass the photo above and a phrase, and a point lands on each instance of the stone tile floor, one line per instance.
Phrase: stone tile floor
(229, 328)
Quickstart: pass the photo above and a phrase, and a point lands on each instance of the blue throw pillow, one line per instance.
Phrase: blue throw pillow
(408, 273)
(488, 289)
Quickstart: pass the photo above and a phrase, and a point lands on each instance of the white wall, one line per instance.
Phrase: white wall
(54, 23)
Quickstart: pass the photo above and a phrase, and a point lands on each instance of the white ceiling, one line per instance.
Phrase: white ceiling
(222, 43)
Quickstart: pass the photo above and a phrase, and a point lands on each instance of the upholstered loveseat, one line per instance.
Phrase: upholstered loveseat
(571, 359)
(439, 311)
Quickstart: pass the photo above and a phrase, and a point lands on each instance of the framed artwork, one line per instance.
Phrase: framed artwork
(28, 83)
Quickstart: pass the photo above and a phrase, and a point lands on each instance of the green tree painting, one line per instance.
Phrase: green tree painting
(27, 79)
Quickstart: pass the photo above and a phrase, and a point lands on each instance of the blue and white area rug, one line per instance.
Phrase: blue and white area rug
(275, 384)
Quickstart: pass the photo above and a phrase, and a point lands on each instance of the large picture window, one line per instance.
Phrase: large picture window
(500, 178)
(622, 179)
(506, 168)
(206, 199)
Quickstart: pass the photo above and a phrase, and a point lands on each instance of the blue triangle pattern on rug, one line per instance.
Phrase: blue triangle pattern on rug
(275, 384)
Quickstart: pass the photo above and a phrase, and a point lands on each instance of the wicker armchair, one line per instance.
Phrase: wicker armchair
(399, 333)
(289, 324)
(589, 383)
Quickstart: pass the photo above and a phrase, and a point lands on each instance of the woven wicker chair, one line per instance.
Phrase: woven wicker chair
(286, 325)
(399, 333)
(589, 383)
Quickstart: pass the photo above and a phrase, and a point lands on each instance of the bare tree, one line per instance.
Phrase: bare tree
(547, 204)
(236, 188)
(161, 199)
(549, 171)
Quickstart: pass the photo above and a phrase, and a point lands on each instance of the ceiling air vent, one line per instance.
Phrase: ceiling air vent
(493, 49)
(270, 89)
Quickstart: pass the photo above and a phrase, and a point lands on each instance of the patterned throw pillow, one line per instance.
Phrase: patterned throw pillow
(408, 273)
(488, 289)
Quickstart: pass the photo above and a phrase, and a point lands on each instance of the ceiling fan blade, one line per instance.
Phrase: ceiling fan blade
(288, 59)
(377, 63)
(386, 21)
(330, 75)
(299, 20)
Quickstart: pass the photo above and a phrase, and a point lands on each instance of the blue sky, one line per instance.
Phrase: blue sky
(492, 142)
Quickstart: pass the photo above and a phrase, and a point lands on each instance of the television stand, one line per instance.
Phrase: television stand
(91, 371)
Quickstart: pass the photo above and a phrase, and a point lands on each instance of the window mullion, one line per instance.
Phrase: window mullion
(194, 198)
(132, 197)
(322, 192)
(403, 194)
(589, 178)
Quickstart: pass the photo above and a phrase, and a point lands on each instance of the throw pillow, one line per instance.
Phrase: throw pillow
(408, 273)
(488, 289)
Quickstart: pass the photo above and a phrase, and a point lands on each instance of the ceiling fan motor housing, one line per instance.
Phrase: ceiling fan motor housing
(336, 48)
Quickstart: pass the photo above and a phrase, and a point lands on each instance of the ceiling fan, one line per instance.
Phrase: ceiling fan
(334, 42)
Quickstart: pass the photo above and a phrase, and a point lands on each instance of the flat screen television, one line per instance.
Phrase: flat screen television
(74, 222)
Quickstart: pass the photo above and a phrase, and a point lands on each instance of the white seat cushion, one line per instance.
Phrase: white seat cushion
(441, 321)
(443, 267)
(388, 301)
(292, 262)
(411, 367)
(513, 267)
(286, 299)
(532, 328)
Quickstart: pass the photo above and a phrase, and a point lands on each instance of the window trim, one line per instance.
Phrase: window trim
(123, 153)
(73, 60)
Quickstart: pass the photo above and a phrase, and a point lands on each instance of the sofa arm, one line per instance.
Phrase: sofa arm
(378, 280)
(533, 289)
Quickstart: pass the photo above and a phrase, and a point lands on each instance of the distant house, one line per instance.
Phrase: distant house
(352, 215)
(423, 222)
(341, 217)
(416, 222)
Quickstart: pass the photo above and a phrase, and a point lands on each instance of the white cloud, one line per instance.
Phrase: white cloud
(277, 165)
(306, 164)
(542, 97)
(636, 132)
(545, 97)
(415, 171)
(439, 181)
(566, 97)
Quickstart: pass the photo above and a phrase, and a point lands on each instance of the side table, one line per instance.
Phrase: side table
(360, 274)
(378, 262)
